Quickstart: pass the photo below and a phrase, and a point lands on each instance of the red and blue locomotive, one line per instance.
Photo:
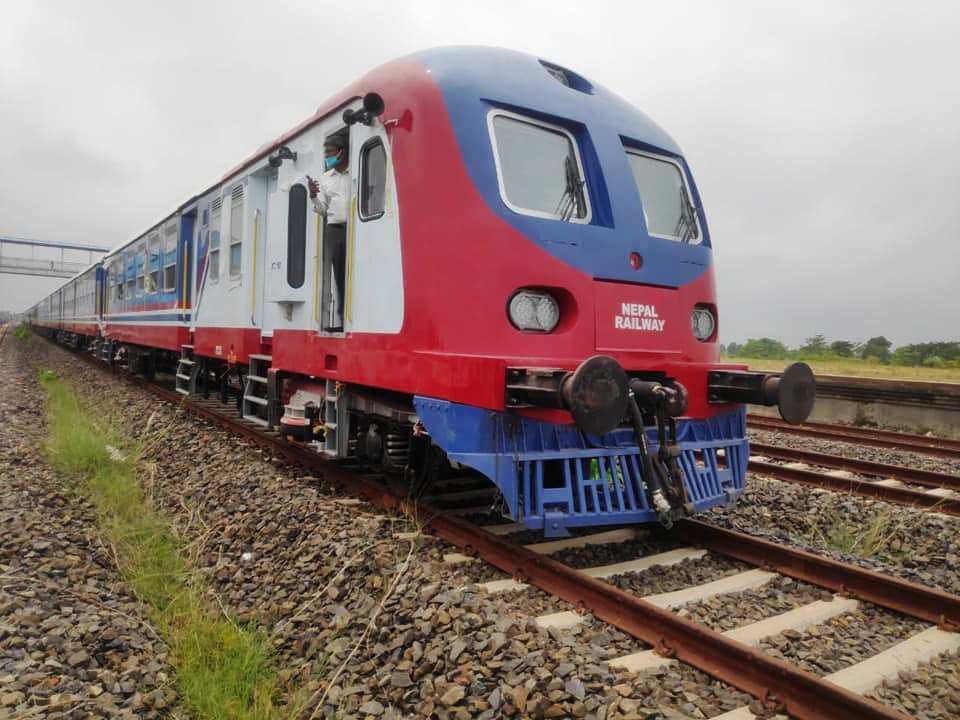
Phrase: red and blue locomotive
(528, 291)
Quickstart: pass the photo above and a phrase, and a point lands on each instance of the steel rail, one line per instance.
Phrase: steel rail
(892, 435)
(912, 443)
(863, 467)
(909, 598)
(866, 488)
(777, 684)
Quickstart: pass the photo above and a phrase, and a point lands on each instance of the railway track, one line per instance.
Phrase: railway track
(922, 444)
(730, 656)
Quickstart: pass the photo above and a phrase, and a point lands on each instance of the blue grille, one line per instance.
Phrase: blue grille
(553, 476)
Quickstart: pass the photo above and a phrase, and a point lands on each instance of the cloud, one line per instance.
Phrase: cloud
(822, 136)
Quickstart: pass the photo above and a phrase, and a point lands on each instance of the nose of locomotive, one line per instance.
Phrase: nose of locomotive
(596, 394)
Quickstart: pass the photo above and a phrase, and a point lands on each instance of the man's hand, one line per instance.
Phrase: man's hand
(313, 185)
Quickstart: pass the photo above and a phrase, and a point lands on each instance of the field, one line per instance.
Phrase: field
(858, 368)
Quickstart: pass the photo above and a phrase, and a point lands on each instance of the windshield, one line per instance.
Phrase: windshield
(666, 203)
(538, 170)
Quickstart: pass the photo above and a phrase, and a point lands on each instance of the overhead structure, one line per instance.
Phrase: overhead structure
(15, 263)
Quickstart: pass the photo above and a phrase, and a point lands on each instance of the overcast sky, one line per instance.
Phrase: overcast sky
(824, 137)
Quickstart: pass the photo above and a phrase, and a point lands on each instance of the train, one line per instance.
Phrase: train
(525, 291)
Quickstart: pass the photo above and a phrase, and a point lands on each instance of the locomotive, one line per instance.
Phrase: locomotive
(527, 293)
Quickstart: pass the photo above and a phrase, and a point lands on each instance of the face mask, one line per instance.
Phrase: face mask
(331, 162)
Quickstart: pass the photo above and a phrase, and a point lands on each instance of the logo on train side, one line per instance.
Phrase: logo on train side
(636, 316)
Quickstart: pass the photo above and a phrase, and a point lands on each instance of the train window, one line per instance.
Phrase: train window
(139, 264)
(214, 271)
(667, 206)
(153, 259)
(170, 258)
(129, 271)
(538, 168)
(297, 236)
(236, 231)
(373, 179)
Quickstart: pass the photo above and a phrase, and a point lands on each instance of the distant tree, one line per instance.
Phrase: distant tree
(878, 348)
(733, 349)
(920, 353)
(842, 348)
(723, 349)
(767, 348)
(816, 345)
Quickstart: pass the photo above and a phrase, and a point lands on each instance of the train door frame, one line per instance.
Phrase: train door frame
(324, 287)
(374, 301)
(258, 214)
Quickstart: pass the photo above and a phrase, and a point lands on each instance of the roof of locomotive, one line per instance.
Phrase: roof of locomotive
(472, 74)
(508, 77)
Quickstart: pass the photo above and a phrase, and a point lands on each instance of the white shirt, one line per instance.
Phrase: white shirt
(331, 199)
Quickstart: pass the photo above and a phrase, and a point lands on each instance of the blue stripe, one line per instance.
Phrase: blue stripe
(180, 317)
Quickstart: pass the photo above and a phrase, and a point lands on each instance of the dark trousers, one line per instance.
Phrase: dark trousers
(335, 250)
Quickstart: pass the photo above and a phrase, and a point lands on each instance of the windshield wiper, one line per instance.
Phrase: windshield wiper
(686, 228)
(572, 202)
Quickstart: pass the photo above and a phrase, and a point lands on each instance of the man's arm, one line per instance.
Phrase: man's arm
(319, 195)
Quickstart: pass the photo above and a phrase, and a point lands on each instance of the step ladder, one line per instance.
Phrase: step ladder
(255, 397)
(186, 371)
(336, 421)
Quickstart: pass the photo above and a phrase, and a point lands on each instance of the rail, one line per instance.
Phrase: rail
(776, 683)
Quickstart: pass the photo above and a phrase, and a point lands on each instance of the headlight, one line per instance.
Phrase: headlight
(534, 311)
(702, 323)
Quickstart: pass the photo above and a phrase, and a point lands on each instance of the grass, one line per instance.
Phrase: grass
(857, 368)
(22, 331)
(881, 533)
(224, 670)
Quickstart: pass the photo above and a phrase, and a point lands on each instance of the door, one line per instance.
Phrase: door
(374, 284)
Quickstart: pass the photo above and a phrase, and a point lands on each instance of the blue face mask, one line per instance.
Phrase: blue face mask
(331, 162)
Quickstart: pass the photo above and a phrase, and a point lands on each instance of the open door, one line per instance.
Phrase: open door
(374, 274)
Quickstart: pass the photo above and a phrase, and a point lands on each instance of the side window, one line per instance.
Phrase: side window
(214, 272)
(140, 262)
(373, 180)
(236, 231)
(170, 258)
(153, 258)
(129, 271)
(538, 169)
(297, 236)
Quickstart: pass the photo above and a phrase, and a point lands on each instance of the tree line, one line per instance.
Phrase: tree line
(876, 349)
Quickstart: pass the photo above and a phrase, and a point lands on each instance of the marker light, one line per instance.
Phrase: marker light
(534, 311)
(702, 323)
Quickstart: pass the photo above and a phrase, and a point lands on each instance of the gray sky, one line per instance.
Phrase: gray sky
(824, 137)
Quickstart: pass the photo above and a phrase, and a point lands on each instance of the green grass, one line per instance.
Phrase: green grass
(224, 670)
(857, 368)
(884, 532)
(22, 331)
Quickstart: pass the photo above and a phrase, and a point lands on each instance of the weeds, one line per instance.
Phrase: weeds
(225, 670)
(880, 533)
(22, 331)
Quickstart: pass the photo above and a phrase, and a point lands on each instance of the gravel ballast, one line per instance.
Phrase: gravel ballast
(363, 625)
(366, 626)
(74, 642)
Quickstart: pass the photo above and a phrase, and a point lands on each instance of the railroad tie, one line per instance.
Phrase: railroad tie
(863, 677)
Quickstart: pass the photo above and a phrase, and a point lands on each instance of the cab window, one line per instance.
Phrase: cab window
(373, 180)
(667, 206)
(538, 168)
